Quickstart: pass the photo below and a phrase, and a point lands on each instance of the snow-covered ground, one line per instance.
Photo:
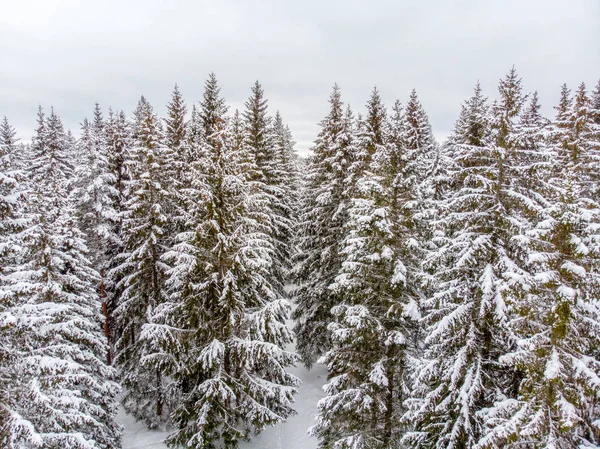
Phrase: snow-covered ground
(289, 435)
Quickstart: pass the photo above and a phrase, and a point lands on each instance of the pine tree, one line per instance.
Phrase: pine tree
(224, 323)
(289, 182)
(178, 184)
(118, 145)
(423, 176)
(595, 104)
(272, 176)
(194, 135)
(50, 154)
(420, 151)
(117, 153)
(557, 322)
(479, 273)
(8, 136)
(374, 329)
(11, 196)
(96, 196)
(141, 272)
(10, 178)
(370, 135)
(61, 394)
(321, 229)
(176, 132)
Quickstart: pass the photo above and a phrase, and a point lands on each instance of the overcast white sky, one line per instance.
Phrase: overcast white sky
(71, 54)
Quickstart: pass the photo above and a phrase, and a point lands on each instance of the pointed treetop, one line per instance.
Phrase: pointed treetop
(255, 117)
(511, 94)
(581, 97)
(595, 102)
(7, 134)
(376, 117)
(531, 115)
(333, 124)
(417, 129)
(472, 127)
(335, 100)
(175, 121)
(98, 118)
(564, 104)
(213, 106)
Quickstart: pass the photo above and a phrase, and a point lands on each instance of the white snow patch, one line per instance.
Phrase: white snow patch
(553, 366)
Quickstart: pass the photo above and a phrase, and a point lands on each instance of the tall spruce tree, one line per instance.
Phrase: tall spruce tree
(141, 271)
(176, 136)
(224, 323)
(95, 194)
(11, 195)
(595, 104)
(118, 144)
(61, 394)
(272, 176)
(479, 274)
(557, 322)
(8, 137)
(289, 185)
(373, 332)
(322, 220)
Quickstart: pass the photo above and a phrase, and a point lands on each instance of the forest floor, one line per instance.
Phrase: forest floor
(289, 435)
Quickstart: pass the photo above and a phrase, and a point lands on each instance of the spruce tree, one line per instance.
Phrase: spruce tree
(10, 180)
(141, 271)
(11, 196)
(478, 273)
(8, 137)
(176, 134)
(61, 393)
(224, 323)
(289, 183)
(96, 195)
(595, 104)
(423, 176)
(370, 136)
(118, 144)
(557, 322)
(272, 177)
(374, 328)
(321, 231)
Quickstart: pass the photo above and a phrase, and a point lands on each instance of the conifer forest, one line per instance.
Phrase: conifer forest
(175, 269)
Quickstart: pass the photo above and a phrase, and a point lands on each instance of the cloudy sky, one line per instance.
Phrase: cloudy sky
(71, 54)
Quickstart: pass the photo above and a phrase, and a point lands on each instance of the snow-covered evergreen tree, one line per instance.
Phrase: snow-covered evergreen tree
(11, 222)
(95, 194)
(141, 272)
(272, 175)
(423, 177)
(479, 273)
(370, 135)
(321, 229)
(289, 182)
(176, 128)
(118, 143)
(223, 329)
(595, 103)
(10, 189)
(8, 137)
(61, 393)
(176, 141)
(375, 327)
(558, 320)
